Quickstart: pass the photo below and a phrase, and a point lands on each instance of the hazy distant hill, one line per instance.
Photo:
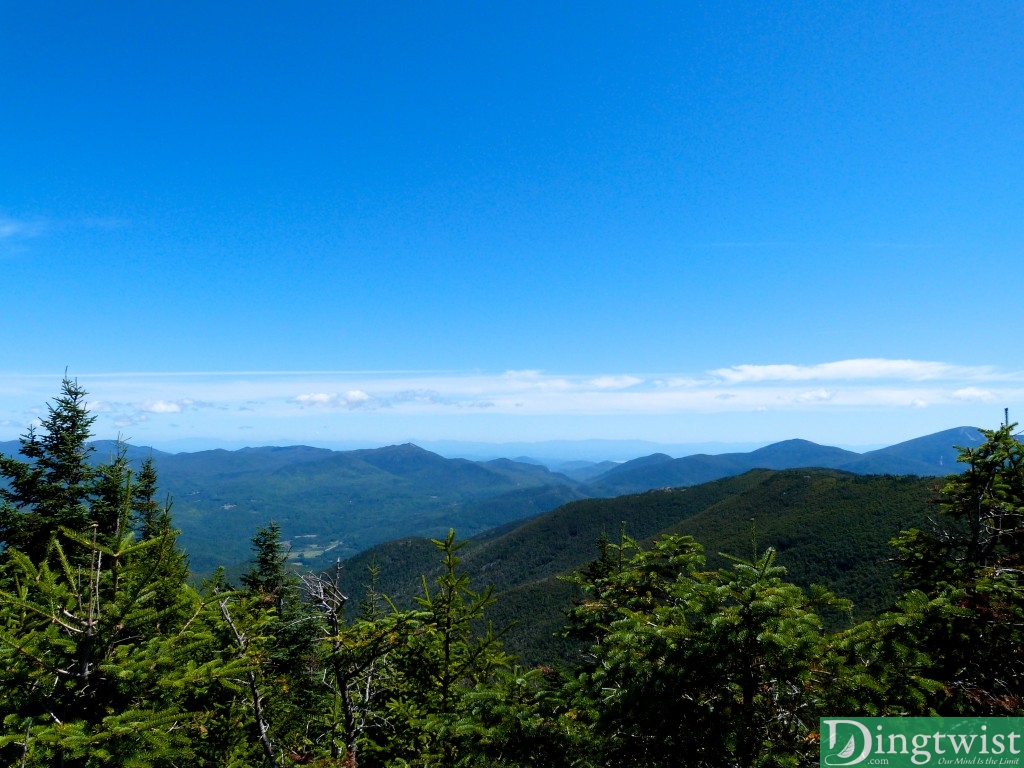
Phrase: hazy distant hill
(553, 453)
(661, 471)
(584, 471)
(931, 455)
(9, 447)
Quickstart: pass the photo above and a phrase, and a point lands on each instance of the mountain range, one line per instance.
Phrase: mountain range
(932, 455)
(333, 504)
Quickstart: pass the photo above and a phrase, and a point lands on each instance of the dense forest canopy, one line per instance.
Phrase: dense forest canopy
(110, 655)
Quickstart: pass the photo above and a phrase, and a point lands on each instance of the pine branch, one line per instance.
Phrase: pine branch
(262, 725)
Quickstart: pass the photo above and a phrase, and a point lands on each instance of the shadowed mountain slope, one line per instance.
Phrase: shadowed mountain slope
(829, 527)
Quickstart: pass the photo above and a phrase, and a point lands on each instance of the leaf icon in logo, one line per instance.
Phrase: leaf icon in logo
(848, 749)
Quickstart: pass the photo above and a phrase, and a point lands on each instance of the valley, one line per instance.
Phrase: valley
(337, 504)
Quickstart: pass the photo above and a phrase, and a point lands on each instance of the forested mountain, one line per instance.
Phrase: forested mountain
(829, 527)
(343, 502)
(333, 504)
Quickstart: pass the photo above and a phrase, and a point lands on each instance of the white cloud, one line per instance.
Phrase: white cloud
(615, 382)
(849, 370)
(354, 398)
(162, 406)
(321, 400)
(974, 394)
(170, 406)
(316, 398)
(814, 396)
(417, 396)
(536, 380)
(680, 381)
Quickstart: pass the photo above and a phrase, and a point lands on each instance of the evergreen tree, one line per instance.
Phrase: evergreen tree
(523, 719)
(356, 670)
(50, 489)
(267, 576)
(954, 645)
(447, 650)
(150, 517)
(109, 495)
(719, 667)
(105, 651)
(274, 633)
(94, 670)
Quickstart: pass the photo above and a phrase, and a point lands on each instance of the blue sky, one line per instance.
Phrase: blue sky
(316, 222)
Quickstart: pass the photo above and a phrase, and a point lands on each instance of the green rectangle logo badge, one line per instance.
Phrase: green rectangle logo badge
(915, 741)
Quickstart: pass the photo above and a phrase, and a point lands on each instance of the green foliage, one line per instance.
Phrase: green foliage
(447, 650)
(51, 489)
(268, 575)
(104, 648)
(354, 670)
(110, 657)
(720, 666)
(522, 719)
(955, 644)
(150, 518)
(95, 668)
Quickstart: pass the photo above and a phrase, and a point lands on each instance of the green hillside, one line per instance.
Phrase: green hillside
(830, 527)
(333, 504)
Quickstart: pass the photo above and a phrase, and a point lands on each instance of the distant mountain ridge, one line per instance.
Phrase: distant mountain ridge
(335, 503)
(928, 456)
